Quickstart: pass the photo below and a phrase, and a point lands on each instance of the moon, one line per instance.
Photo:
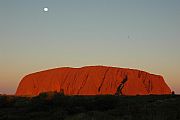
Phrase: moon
(45, 9)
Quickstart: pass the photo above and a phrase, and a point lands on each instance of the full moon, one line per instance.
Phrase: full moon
(45, 9)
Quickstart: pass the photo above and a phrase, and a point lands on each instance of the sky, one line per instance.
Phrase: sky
(138, 34)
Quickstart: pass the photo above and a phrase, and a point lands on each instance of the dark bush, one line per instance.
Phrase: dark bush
(57, 106)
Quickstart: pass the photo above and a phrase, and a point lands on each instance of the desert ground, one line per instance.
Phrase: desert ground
(57, 106)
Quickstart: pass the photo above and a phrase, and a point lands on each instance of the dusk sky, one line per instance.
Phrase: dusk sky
(138, 34)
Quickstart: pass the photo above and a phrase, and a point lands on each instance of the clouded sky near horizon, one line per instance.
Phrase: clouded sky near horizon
(136, 34)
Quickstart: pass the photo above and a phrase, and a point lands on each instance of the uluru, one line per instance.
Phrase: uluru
(93, 80)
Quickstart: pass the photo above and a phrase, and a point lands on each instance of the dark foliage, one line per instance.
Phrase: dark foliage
(57, 106)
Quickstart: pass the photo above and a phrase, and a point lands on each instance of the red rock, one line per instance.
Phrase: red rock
(92, 80)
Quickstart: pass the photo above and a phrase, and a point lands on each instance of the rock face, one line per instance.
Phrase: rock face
(93, 80)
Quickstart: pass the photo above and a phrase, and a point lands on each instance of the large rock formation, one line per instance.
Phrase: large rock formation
(93, 80)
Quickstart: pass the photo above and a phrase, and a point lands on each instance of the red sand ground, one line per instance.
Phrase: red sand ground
(92, 80)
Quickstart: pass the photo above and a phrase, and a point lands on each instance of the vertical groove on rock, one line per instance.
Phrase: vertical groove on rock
(34, 86)
(116, 76)
(56, 75)
(64, 80)
(99, 89)
(73, 82)
(51, 80)
(83, 83)
(150, 86)
(69, 82)
(144, 80)
(139, 74)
